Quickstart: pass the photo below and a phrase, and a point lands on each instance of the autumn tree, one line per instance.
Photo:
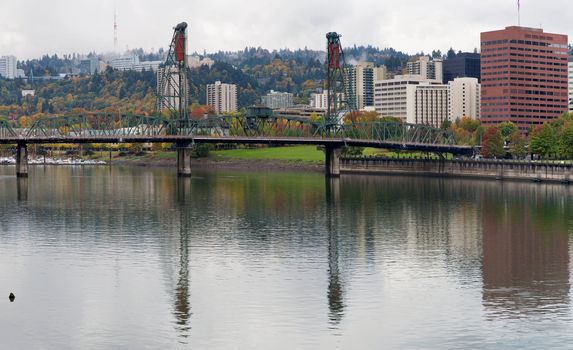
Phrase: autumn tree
(517, 145)
(566, 141)
(465, 130)
(361, 117)
(543, 141)
(492, 143)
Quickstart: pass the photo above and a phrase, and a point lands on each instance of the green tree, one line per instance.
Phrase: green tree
(492, 143)
(446, 124)
(544, 141)
(507, 129)
(517, 145)
(566, 141)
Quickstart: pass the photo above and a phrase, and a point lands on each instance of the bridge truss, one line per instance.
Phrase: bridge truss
(76, 128)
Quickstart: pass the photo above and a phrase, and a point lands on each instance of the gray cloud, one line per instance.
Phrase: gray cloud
(32, 28)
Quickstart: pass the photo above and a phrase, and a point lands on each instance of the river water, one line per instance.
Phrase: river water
(133, 258)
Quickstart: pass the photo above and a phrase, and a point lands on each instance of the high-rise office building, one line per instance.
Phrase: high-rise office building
(360, 83)
(426, 68)
(222, 97)
(8, 69)
(463, 65)
(570, 82)
(523, 76)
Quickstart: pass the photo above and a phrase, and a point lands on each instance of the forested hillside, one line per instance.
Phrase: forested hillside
(254, 70)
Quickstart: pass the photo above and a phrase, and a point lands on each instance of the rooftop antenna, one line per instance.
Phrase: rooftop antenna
(518, 13)
(115, 27)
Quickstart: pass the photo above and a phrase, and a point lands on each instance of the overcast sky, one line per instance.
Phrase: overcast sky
(35, 27)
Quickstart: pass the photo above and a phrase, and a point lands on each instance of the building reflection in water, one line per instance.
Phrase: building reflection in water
(335, 284)
(525, 258)
(182, 309)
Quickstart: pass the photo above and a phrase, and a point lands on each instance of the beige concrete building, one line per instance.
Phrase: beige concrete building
(465, 97)
(431, 104)
(8, 68)
(360, 80)
(427, 69)
(320, 101)
(222, 97)
(397, 97)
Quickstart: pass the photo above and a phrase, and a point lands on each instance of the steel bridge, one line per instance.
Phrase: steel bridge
(254, 128)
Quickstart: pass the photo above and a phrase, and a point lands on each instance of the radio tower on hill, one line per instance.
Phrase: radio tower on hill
(115, 29)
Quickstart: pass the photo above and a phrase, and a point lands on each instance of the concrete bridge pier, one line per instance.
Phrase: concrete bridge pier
(22, 160)
(184, 159)
(332, 161)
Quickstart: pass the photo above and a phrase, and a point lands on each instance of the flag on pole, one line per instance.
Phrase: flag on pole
(518, 5)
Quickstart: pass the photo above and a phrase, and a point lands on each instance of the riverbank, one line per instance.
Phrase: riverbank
(529, 171)
(304, 158)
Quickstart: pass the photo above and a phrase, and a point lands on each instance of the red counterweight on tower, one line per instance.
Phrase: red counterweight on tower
(180, 42)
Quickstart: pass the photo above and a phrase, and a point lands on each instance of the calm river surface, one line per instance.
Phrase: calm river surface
(133, 258)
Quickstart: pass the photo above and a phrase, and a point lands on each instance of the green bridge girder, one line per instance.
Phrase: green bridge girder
(113, 125)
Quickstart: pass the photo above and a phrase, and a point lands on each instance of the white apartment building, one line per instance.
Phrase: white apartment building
(133, 63)
(320, 101)
(8, 68)
(147, 66)
(222, 97)
(428, 69)
(416, 100)
(397, 97)
(194, 61)
(124, 63)
(276, 99)
(465, 97)
(431, 104)
(570, 80)
(360, 82)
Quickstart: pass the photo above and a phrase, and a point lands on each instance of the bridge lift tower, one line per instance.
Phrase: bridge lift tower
(172, 83)
(340, 92)
(173, 94)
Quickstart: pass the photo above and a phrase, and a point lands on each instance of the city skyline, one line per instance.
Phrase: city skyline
(30, 29)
